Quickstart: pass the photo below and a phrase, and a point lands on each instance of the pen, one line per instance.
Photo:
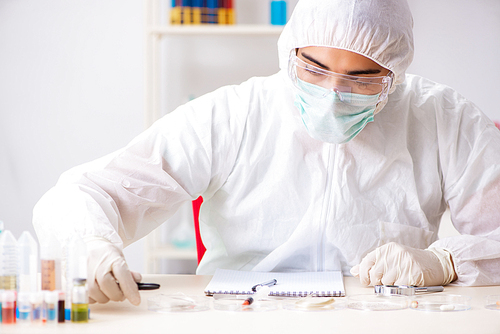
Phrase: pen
(145, 286)
(268, 283)
(148, 286)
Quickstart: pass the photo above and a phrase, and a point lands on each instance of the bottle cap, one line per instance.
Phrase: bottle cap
(79, 281)
(51, 297)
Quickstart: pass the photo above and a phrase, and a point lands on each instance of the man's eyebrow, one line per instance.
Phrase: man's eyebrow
(308, 57)
(355, 72)
(369, 71)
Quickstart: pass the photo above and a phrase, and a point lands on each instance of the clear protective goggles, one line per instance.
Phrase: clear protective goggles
(341, 84)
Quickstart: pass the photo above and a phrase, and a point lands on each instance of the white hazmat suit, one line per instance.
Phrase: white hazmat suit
(275, 199)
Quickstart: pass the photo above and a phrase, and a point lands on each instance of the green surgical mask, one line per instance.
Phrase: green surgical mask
(328, 118)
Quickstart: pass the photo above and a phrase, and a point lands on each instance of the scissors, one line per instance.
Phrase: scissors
(406, 290)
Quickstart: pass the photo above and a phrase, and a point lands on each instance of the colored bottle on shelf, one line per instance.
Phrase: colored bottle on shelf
(222, 12)
(278, 12)
(212, 11)
(176, 12)
(196, 11)
(186, 17)
(231, 15)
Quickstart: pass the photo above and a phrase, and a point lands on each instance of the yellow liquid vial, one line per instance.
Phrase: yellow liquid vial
(79, 312)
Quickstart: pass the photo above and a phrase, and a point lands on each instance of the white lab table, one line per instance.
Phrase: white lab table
(125, 318)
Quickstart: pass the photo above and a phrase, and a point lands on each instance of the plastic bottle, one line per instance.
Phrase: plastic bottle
(28, 263)
(8, 261)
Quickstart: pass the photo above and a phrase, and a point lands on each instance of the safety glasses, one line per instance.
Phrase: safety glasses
(345, 86)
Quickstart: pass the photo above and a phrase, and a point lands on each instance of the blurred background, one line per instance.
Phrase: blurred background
(73, 88)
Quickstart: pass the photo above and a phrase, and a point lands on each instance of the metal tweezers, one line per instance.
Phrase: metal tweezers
(405, 290)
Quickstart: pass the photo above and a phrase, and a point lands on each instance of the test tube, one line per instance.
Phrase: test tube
(28, 263)
(36, 301)
(8, 261)
(24, 307)
(79, 301)
(51, 264)
(9, 307)
(51, 306)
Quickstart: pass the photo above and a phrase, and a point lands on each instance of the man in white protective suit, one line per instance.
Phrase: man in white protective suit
(340, 161)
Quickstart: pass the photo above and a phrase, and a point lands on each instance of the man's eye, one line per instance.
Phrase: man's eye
(311, 71)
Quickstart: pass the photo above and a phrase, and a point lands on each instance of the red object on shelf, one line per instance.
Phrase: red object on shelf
(200, 248)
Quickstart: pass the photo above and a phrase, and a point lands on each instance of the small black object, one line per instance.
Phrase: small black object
(148, 286)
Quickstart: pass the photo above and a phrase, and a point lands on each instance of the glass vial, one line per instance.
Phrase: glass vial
(79, 301)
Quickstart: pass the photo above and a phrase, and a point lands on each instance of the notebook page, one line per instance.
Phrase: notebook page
(329, 283)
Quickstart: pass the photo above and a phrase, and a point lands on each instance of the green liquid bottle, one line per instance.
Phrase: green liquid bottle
(79, 301)
(79, 312)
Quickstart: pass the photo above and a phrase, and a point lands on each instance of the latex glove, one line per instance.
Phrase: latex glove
(395, 264)
(106, 266)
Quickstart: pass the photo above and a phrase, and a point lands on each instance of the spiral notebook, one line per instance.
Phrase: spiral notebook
(290, 284)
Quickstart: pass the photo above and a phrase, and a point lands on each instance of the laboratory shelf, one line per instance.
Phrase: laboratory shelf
(214, 30)
(157, 30)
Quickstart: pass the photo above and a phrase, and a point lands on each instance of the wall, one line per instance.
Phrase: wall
(71, 90)
(457, 43)
(71, 80)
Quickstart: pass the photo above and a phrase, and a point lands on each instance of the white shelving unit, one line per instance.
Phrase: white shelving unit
(155, 32)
